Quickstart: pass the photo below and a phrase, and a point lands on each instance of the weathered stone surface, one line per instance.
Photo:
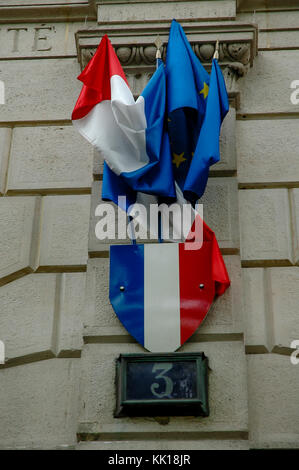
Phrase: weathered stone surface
(49, 158)
(263, 156)
(225, 315)
(17, 234)
(265, 225)
(5, 140)
(39, 2)
(72, 305)
(295, 216)
(41, 315)
(273, 401)
(152, 10)
(284, 295)
(227, 392)
(98, 163)
(266, 87)
(256, 339)
(64, 234)
(264, 5)
(278, 39)
(99, 312)
(271, 19)
(49, 86)
(159, 444)
(227, 144)
(39, 404)
(39, 40)
(21, 11)
(284, 22)
(27, 313)
(220, 210)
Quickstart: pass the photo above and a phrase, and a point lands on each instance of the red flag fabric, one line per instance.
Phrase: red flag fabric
(219, 271)
(96, 78)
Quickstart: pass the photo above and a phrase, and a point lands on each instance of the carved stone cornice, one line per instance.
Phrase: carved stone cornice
(238, 43)
(136, 51)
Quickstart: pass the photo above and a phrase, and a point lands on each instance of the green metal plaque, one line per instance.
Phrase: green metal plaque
(169, 384)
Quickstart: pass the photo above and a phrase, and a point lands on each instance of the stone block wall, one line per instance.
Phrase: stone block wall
(268, 174)
(61, 335)
(45, 186)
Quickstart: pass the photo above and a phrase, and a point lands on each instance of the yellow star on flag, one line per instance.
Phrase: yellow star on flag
(205, 90)
(178, 159)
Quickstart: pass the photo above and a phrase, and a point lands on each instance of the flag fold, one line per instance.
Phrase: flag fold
(196, 105)
(129, 134)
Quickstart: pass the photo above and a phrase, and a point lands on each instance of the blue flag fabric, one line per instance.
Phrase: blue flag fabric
(156, 177)
(184, 109)
(207, 150)
(196, 104)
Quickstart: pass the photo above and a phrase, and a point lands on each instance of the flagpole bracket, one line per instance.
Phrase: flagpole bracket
(216, 53)
(158, 43)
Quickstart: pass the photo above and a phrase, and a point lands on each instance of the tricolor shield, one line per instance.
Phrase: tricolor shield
(162, 292)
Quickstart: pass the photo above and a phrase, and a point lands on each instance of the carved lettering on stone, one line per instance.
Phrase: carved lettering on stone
(26, 39)
(16, 37)
(41, 40)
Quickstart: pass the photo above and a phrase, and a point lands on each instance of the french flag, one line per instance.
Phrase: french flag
(162, 292)
(131, 135)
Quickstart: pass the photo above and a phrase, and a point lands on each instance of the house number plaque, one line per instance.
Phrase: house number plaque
(162, 384)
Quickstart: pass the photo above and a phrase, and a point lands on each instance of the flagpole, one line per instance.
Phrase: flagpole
(158, 43)
(216, 53)
(215, 56)
(132, 229)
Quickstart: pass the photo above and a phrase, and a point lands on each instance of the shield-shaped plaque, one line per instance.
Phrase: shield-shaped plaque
(162, 292)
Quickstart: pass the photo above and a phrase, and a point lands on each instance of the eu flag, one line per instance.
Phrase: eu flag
(196, 105)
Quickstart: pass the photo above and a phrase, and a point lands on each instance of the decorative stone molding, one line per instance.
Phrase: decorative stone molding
(136, 51)
(237, 54)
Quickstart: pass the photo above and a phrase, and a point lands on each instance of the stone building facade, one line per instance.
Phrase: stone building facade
(60, 333)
